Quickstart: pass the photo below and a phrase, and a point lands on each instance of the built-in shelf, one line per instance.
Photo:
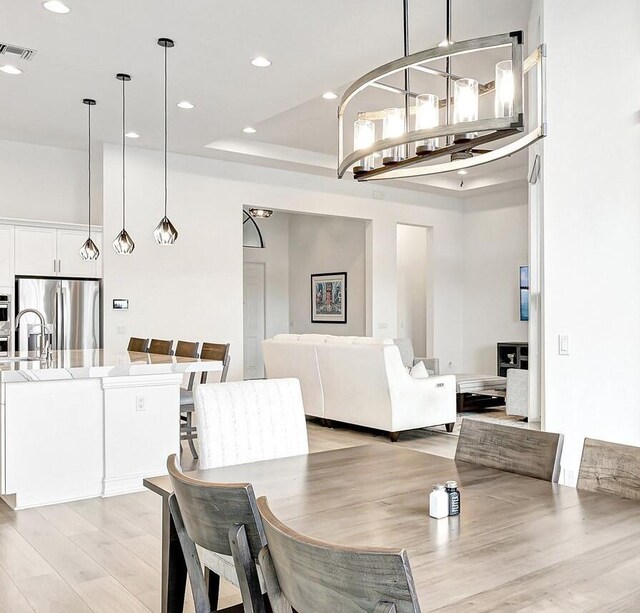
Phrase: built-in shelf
(520, 359)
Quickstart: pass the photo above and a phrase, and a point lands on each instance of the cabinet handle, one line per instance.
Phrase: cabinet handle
(59, 265)
(55, 265)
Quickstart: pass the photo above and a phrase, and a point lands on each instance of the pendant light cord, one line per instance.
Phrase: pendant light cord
(89, 158)
(123, 158)
(165, 131)
(407, 108)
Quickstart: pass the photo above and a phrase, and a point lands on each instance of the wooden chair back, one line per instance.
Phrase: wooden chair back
(223, 518)
(218, 352)
(186, 349)
(517, 450)
(138, 344)
(160, 347)
(313, 576)
(610, 468)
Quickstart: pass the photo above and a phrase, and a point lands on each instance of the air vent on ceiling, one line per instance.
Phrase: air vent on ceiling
(17, 52)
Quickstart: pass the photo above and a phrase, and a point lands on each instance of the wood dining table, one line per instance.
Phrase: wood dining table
(519, 544)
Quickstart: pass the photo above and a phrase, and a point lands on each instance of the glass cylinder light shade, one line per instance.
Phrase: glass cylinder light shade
(504, 89)
(465, 104)
(364, 135)
(427, 116)
(392, 126)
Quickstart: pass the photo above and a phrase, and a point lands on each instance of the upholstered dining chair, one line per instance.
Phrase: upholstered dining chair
(610, 468)
(188, 430)
(317, 577)
(531, 453)
(138, 344)
(160, 347)
(221, 520)
(249, 421)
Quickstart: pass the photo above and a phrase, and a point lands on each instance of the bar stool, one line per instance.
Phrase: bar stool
(160, 347)
(209, 351)
(185, 349)
(138, 344)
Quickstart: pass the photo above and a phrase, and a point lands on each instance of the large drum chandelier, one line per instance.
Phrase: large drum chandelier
(444, 128)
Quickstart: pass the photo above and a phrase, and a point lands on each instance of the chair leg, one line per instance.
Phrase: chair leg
(246, 570)
(449, 427)
(192, 445)
(394, 436)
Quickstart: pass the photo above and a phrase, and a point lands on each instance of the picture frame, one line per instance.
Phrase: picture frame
(329, 298)
(524, 293)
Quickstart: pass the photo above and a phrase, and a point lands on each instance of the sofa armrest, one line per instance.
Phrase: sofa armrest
(432, 364)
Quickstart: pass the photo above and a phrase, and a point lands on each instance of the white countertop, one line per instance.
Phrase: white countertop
(97, 363)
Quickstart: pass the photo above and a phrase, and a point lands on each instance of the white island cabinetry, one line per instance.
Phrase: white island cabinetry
(88, 424)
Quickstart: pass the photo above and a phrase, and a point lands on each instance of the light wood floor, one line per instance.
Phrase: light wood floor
(103, 554)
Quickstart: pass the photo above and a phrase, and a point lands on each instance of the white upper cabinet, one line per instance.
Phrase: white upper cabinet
(51, 252)
(70, 264)
(6, 257)
(35, 250)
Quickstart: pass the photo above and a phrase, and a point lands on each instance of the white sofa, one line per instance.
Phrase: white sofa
(361, 381)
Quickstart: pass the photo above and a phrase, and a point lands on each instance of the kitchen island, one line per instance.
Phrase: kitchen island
(88, 423)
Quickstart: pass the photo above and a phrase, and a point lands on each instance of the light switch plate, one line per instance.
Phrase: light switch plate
(563, 344)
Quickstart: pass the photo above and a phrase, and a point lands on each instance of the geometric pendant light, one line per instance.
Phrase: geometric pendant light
(165, 232)
(123, 244)
(89, 250)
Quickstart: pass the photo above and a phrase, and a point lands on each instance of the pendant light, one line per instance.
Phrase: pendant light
(165, 232)
(122, 244)
(89, 250)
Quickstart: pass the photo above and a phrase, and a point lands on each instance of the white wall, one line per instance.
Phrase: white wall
(319, 244)
(496, 243)
(591, 285)
(193, 290)
(275, 256)
(46, 184)
(413, 276)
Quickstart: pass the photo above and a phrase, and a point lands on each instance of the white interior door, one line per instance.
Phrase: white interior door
(254, 318)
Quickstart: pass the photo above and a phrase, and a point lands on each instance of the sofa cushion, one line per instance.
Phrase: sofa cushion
(369, 340)
(341, 340)
(419, 371)
(313, 338)
(286, 337)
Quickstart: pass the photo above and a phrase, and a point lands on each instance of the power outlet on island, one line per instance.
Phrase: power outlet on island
(140, 404)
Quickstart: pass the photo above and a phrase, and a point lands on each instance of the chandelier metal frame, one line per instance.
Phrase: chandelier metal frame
(458, 135)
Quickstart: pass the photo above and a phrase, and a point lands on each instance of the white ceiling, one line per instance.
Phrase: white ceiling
(314, 47)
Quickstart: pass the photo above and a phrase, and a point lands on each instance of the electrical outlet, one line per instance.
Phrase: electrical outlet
(563, 344)
(121, 330)
(378, 195)
(140, 404)
(382, 325)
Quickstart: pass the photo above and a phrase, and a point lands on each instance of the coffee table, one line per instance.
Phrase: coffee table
(488, 386)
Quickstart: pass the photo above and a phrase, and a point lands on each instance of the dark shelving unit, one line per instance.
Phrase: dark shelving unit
(520, 359)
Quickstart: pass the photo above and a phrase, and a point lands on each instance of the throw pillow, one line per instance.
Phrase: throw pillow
(419, 371)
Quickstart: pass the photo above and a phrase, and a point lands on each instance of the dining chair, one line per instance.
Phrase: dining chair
(313, 576)
(219, 352)
(160, 347)
(186, 349)
(218, 524)
(610, 468)
(138, 344)
(249, 421)
(188, 430)
(531, 453)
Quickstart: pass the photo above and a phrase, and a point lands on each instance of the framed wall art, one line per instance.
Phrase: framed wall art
(329, 298)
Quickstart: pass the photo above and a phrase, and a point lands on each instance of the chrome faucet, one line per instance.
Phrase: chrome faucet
(45, 348)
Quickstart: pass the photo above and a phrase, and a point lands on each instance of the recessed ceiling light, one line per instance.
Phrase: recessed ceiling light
(329, 96)
(261, 62)
(185, 104)
(55, 6)
(249, 130)
(9, 69)
(132, 135)
(462, 172)
(260, 213)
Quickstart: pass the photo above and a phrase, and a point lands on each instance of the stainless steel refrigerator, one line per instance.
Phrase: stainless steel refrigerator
(71, 309)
